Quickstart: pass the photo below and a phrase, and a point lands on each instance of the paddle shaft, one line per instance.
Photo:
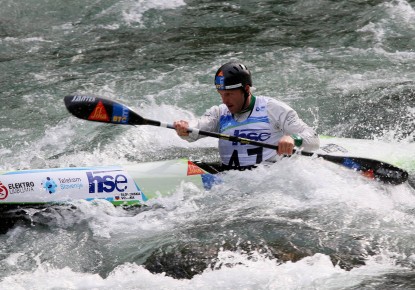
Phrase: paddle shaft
(214, 135)
(108, 111)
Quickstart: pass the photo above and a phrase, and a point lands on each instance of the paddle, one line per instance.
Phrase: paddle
(108, 111)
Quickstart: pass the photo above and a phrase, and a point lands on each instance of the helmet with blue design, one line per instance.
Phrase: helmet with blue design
(232, 75)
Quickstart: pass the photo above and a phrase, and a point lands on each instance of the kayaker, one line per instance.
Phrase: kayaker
(257, 118)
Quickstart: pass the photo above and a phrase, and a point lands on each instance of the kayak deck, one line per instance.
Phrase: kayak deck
(127, 184)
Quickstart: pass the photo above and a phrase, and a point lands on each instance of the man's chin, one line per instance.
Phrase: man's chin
(232, 110)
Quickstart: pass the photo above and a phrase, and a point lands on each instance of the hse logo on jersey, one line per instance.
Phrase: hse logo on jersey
(252, 134)
(106, 181)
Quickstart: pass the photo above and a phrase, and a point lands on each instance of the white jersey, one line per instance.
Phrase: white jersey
(283, 120)
(256, 127)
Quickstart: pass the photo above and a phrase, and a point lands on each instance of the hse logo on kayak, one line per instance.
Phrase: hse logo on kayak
(252, 134)
(106, 181)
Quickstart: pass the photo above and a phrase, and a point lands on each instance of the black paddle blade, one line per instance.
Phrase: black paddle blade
(101, 110)
(372, 168)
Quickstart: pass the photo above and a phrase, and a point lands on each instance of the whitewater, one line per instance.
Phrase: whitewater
(346, 67)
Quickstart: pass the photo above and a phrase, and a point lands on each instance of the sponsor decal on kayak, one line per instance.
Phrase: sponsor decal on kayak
(99, 113)
(83, 99)
(330, 148)
(3, 191)
(67, 183)
(110, 183)
(21, 187)
(49, 185)
(70, 183)
(193, 169)
(106, 181)
(114, 181)
(128, 196)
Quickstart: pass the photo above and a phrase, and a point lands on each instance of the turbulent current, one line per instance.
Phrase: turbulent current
(346, 67)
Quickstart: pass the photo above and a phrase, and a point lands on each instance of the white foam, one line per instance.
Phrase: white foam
(237, 271)
(400, 19)
(401, 11)
(134, 13)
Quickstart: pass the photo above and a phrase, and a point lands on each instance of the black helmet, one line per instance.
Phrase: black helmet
(232, 75)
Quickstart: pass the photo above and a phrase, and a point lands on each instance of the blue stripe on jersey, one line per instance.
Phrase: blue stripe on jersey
(227, 122)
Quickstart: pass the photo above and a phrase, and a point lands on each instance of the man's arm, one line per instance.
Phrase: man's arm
(208, 122)
(284, 118)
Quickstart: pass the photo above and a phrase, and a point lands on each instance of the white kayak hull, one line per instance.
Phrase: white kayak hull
(128, 184)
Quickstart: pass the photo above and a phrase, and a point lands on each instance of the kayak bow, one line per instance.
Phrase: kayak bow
(121, 185)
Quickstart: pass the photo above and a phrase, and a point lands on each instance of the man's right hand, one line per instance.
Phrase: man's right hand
(181, 127)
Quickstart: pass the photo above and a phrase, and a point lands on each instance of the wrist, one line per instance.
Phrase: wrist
(298, 141)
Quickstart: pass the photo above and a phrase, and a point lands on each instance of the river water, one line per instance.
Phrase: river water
(347, 67)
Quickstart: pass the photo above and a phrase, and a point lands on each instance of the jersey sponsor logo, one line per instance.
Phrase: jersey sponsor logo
(260, 109)
(252, 134)
(99, 113)
(100, 182)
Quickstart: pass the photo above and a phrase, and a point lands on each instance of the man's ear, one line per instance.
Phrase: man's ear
(247, 89)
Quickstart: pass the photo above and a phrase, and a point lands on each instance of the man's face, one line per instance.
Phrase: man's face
(233, 99)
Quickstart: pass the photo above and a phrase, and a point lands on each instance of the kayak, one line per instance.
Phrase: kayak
(120, 185)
